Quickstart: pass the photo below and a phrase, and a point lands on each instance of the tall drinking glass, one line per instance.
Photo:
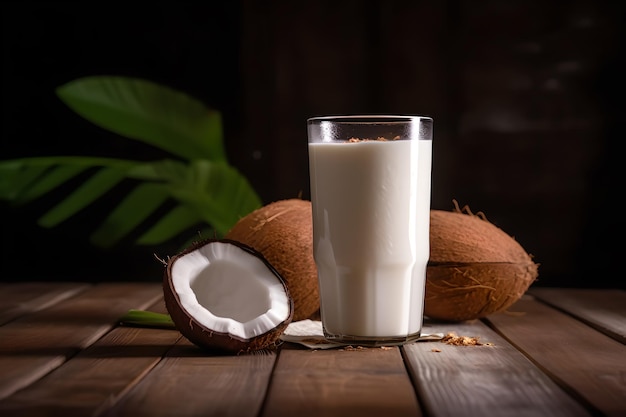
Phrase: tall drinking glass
(370, 194)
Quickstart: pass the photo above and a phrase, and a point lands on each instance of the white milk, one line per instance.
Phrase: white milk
(371, 214)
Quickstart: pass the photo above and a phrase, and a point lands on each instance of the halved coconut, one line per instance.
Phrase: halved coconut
(223, 295)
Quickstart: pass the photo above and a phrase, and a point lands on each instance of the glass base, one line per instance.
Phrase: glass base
(369, 341)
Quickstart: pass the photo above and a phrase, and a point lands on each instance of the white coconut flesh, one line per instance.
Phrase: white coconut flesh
(229, 290)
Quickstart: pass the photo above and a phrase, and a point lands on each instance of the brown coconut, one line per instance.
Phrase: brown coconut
(282, 232)
(206, 335)
(475, 268)
(193, 315)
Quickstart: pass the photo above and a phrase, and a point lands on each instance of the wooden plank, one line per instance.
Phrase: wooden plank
(193, 382)
(20, 298)
(587, 363)
(361, 382)
(95, 378)
(492, 379)
(35, 344)
(604, 310)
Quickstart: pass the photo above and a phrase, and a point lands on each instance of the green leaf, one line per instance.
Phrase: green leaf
(47, 162)
(212, 195)
(205, 189)
(142, 201)
(175, 222)
(217, 193)
(144, 318)
(101, 182)
(17, 177)
(148, 112)
(163, 170)
(23, 180)
(53, 178)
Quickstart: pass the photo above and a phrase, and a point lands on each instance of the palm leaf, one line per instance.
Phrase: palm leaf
(148, 112)
(16, 179)
(92, 189)
(216, 192)
(204, 190)
(53, 178)
(174, 222)
(23, 180)
(140, 203)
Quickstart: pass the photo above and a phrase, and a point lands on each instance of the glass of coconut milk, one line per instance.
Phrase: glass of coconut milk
(370, 194)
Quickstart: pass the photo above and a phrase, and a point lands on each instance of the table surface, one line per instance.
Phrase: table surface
(556, 352)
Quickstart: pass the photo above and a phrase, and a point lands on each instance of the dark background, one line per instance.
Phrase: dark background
(527, 97)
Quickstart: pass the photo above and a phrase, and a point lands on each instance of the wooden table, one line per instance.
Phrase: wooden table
(557, 352)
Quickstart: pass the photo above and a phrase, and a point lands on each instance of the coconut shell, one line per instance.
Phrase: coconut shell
(475, 268)
(282, 232)
(206, 338)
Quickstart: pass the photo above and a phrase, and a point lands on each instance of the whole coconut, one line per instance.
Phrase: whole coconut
(282, 232)
(475, 268)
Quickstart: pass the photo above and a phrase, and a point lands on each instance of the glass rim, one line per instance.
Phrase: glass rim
(370, 118)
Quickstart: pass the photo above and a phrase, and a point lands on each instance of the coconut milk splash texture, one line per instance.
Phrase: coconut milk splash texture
(371, 246)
